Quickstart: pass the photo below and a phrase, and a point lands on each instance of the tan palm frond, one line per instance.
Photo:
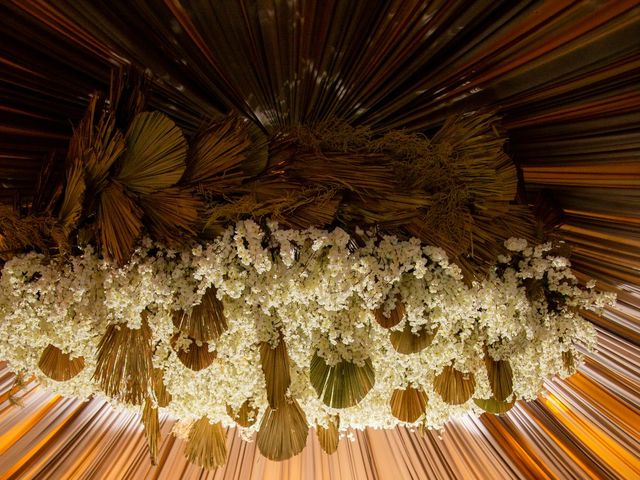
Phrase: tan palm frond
(151, 424)
(454, 386)
(283, 431)
(17, 233)
(58, 365)
(408, 404)
(163, 397)
(275, 366)
(395, 316)
(246, 415)
(196, 356)
(206, 321)
(500, 377)
(406, 342)
(568, 361)
(171, 213)
(342, 385)
(74, 190)
(491, 405)
(207, 444)
(155, 157)
(329, 437)
(124, 366)
(119, 223)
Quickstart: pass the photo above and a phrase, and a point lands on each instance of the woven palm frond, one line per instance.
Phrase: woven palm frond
(500, 377)
(196, 356)
(395, 316)
(246, 415)
(163, 397)
(206, 321)
(454, 386)
(151, 424)
(119, 222)
(491, 405)
(207, 444)
(342, 385)
(329, 437)
(275, 366)
(406, 342)
(58, 365)
(408, 405)
(283, 431)
(124, 366)
(155, 157)
(171, 214)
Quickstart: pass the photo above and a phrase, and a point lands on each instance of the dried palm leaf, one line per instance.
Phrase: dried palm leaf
(283, 431)
(491, 405)
(275, 366)
(17, 234)
(406, 342)
(342, 385)
(119, 223)
(196, 356)
(71, 207)
(151, 424)
(329, 437)
(395, 316)
(207, 444)
(155, 155)
(206, 321)
(454, 386)
(171, 213)
(163, 397)
(258, 154)
(409, 404)
(58, 365)
(246, 415)
(500, 377)
(568, 361)
(124, 366)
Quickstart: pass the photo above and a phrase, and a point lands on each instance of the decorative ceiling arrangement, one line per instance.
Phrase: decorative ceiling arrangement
(277, 215)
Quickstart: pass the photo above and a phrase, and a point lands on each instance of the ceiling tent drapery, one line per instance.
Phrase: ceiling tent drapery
(562, 75)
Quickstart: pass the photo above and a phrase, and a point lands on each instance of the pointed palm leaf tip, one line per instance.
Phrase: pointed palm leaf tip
(207, 444)
(195, 356)
(163, 397)
(59, 366)
(395, 316)
(155, 157)
(74, 192)
(275, 366)
(206, 321)
(406, 342)
(246, 415)
(124, 362)
(151, 424)
(409, 404)
(342, 385)
(453, 386)
(500, 377)
(329, 437)
(283, 431)
(491, 405)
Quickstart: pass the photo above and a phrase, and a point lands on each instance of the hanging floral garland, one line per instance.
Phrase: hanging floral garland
(324, 276)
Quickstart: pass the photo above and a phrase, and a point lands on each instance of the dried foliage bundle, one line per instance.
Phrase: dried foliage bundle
(206, 321)
(58, 365)
(207, 444)
(453, 386)
(341, 385)
(283, 431)
(408, 405)
(329, 437)
(275, 366)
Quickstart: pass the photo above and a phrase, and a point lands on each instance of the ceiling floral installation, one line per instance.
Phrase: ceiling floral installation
(317, 276)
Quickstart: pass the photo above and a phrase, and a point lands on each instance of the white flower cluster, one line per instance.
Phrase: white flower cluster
(318, 292)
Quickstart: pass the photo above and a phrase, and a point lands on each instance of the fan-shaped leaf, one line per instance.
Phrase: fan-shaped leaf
(206, 321)
(454, 386)
(342, 385)
(409, 404)
(58, 365)
(283, 431)
(207, 444)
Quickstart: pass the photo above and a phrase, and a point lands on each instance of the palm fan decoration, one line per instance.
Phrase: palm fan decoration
(162, 395)
(454, 386)
(246, 415)
(207, 444)
(407, 342)
(395, 316)
(205, 321)
(275, 366)
(151, 424)
(329, 437)
(58, 365)
(408, 404)
(500, 377)
(491, 405)
(196, 355)
(341, 385)
(283, 431)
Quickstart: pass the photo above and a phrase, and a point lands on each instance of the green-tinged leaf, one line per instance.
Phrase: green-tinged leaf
(342, 385)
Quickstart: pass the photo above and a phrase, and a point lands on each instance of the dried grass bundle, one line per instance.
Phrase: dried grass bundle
(163, 397)
(283, 431)
(58, 365)
(246, 415)
(409, 404)
(491, 405)
(196, 356)
(17, 234)
(342, 385)
(124, 366)
(406, 342)
(171, 214)
(155, 157)
(329, 437)
(500, 377)
(205, 321)
(207, 444)
(275, 366)
(151, 424)
(395, 316)
(453, 386)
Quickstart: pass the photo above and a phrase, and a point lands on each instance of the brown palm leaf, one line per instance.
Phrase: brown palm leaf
(568, 361)
(151, 424)
(329, 437)
(124, 366)
(163, 397)
(196, 356)
(491, 405)
(58, 365)
(119, 223)
(246, 415)
(409, 404)
(207, 444)
(171, 213)
(74, 190)
(454, 386)
(275, 366)
(342, 385)
(206, 321)
(395, 316)
(406, 342)
(155, 156)
(500, 377)
(283, 431)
